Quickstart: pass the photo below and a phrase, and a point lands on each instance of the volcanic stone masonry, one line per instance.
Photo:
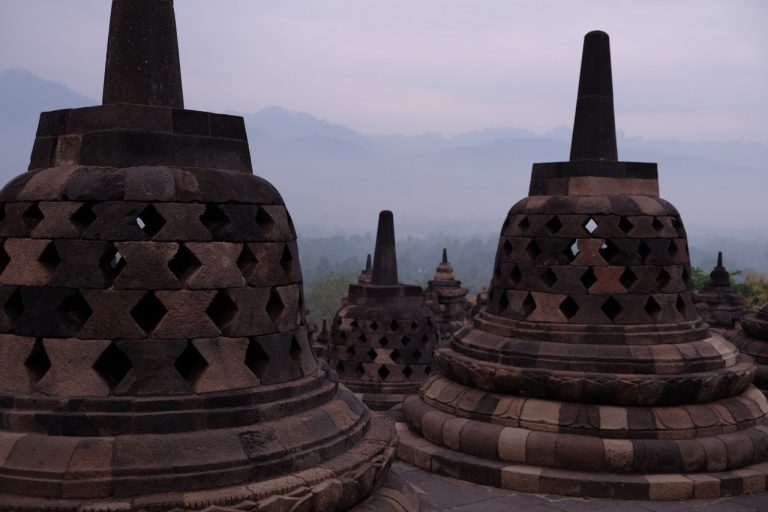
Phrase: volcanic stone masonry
(589, 373)
(154, 351)
(448, 299)
(753, 340)
(382, 340)
(718, 303)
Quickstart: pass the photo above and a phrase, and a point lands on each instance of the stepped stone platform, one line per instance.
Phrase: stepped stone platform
(589, 372)
(753, 340)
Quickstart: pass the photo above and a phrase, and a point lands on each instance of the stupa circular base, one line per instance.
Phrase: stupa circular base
(425, 455)
(337, 484)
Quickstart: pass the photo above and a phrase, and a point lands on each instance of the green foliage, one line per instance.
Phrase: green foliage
(324, 297)
(754, 289)
(699, 278)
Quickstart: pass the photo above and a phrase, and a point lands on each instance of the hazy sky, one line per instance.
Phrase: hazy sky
(691, 69)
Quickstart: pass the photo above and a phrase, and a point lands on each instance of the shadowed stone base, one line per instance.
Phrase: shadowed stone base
(397, 495)
(336, 484)
(536, 479)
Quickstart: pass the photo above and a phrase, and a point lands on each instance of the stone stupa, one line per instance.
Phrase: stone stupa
(753, 340)
(718, 303)
(382, 339)
(154, 352)
(589, 372)
(448, 299)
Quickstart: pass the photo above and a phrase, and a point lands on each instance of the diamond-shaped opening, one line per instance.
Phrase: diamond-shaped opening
(351, 351)
(150, 221)
(4, 258)
(425, 339)
(663, 279)
(405, 341)
(678, 225)
(343, 336)
(644, 251)
(37, 363)
(148, 312)
(265, 221)
(32, 217)
(374, 325)
(83, 217)
(112, 365)
(275, 306)
(549, 278)
(686, 276)
(609, 251)
(372, 354)
(214, 218)
(14, 306)
(417, 355)
(427, 370)
(507, 248)
(407, 372)
(256, 358)
(680, 306)
(533, 250)
(112, 262)
(628, 278)
(383, 341)
(611, 308)
(383, 372)
(554, 225)
(503, 301)
(49, 259)
(222, 310)
(569, 307)
(394, 355)
(191, 364)
(286, 260)
(672, 248)
(657, 225)
(353, 324)
(184, 263)
(524, 223)
(652, 308)
(414, 325)
(362, 339)
(247, 262)
(588, 278)
(529, 305)
(572, 250)
(590, 225)
(394, 326)
(625, 225)
(295, 350)
(73, 312)
(359, 370)
(515, 275)
(340, 367)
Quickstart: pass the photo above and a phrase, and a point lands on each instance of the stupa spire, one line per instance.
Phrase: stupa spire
(594, 127)
(720, 259)
(445, 255)
(385, 255)
(143, 55)
(368, 264)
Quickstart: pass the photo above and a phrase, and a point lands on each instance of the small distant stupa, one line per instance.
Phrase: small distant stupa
(382, 340)
(448, 299)
(718, 303)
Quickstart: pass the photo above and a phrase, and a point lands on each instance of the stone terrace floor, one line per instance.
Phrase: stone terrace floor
(450, 495)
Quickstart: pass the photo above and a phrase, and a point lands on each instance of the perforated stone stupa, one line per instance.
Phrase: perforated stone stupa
(448, 299)
(154, 351)
(718, 303)
(382, 340)
(589, 373)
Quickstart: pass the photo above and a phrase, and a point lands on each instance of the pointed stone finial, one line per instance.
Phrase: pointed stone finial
(143, 55)
(368, 264)
(445, 255)
(594, 127)
(720, 259)
(324, 330)
(385, 256)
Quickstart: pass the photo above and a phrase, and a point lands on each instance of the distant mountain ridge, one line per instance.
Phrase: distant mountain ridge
(335, 179)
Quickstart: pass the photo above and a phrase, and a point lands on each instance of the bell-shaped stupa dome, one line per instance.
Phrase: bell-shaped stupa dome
(154, 352)
(589, 372)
